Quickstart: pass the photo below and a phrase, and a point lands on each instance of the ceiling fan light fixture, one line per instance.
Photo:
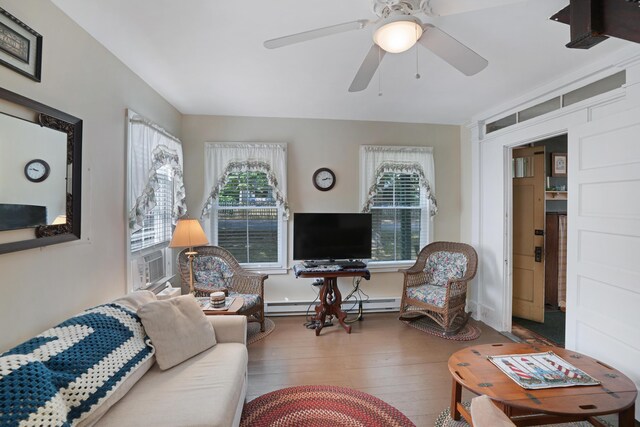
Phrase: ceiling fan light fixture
(398, 33)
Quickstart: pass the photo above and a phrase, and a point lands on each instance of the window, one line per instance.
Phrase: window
(397, 188)
(247, 203)
(157, 225)
(398, 215)
(156, 198)
(247, 217)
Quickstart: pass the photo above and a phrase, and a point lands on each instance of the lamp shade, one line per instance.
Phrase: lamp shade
(188, 233)
(398, 33)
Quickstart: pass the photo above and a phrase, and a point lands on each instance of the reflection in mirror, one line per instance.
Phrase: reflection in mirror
(32, 175)
(40, 171)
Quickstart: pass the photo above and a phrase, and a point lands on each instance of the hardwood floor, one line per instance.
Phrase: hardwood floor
(383, 357)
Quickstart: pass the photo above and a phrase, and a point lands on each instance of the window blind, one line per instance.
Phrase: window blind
(399, 212)
(157, 224)
(247, 218)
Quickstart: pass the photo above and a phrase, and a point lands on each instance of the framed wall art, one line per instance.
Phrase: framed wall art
(20, 46)
(558, 164)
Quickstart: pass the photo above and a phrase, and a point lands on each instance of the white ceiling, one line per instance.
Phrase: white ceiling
(206, 57)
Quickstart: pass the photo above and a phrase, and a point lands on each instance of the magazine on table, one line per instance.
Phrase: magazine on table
(541, 370)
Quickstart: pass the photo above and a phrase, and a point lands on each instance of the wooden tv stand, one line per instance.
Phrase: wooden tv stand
(330, 296)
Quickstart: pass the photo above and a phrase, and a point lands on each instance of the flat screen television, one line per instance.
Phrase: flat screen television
(331, 236)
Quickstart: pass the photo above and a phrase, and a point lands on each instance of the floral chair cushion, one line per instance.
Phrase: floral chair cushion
(442, 266)
(250, 300)
(429, 294)
(211, 271)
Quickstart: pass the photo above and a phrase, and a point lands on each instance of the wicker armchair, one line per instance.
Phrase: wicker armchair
(215, 268)
(436, 285)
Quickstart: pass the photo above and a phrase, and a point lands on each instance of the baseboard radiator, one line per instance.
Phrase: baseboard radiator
(296, 308)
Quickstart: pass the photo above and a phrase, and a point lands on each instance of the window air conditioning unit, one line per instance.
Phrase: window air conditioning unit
(155, 266)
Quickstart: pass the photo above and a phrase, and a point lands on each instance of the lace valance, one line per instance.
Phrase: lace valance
(377, 160)
(221, 160)
(150, 149)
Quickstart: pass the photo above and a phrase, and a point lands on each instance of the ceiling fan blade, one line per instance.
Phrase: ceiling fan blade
(451, 50)
(448, 7)
(367, 69)
(317, 33)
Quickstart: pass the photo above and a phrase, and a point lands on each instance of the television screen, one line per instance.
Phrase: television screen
(331, 236)
(13, 217)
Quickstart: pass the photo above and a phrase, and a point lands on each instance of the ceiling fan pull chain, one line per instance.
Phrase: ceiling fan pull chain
(417, 58)
(379, 72)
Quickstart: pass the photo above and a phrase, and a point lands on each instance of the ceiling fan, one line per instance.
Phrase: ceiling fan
(398, 29)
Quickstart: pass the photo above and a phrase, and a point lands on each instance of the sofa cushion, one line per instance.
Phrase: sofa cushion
(178, 329)
(117, 394)
(135, 300)
(203, 391)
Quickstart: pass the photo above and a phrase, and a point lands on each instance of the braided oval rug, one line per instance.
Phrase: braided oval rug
(321, 406)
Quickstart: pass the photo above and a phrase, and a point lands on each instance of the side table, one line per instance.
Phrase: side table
(330, 296)
(234, 308)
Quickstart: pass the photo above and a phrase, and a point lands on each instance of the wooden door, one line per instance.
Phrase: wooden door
(528, 233)
(603, 242)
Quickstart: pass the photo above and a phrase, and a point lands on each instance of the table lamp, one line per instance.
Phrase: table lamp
(188, 233)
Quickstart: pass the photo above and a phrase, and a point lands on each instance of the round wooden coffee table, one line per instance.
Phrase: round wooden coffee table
(472, 370)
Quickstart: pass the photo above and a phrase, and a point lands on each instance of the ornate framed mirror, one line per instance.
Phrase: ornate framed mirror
(40, 174)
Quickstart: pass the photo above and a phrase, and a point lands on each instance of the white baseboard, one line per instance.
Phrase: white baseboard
(296, 308)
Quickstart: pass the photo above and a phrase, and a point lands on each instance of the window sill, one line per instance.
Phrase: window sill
(267, 270)
(388, 267)
(157, 286)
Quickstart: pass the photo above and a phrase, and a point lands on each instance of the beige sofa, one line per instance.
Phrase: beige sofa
(208, 389)
(102, 368)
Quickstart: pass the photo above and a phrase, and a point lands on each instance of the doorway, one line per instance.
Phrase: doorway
(539, 224)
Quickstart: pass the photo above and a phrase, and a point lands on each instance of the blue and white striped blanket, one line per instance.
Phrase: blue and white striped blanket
(60, 376)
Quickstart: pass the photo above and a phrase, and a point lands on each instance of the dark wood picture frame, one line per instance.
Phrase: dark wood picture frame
(20, 46)
(559, 164)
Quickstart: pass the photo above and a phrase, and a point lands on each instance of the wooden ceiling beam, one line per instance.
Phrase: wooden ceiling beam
(591, 21)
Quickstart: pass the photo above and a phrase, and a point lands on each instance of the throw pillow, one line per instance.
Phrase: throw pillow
(178, 329)
(135, 300)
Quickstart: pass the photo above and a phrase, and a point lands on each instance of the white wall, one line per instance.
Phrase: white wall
(334, 144)
(466, 164)
(40, 287)
(466, 204)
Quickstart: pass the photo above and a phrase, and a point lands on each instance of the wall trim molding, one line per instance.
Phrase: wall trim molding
(614, 62)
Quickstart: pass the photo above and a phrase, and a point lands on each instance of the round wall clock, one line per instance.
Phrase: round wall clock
(37, 170)
(324, 179)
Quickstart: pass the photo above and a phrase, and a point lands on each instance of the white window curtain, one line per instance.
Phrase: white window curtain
(376, 160)
(223, 159)
(151, 149)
